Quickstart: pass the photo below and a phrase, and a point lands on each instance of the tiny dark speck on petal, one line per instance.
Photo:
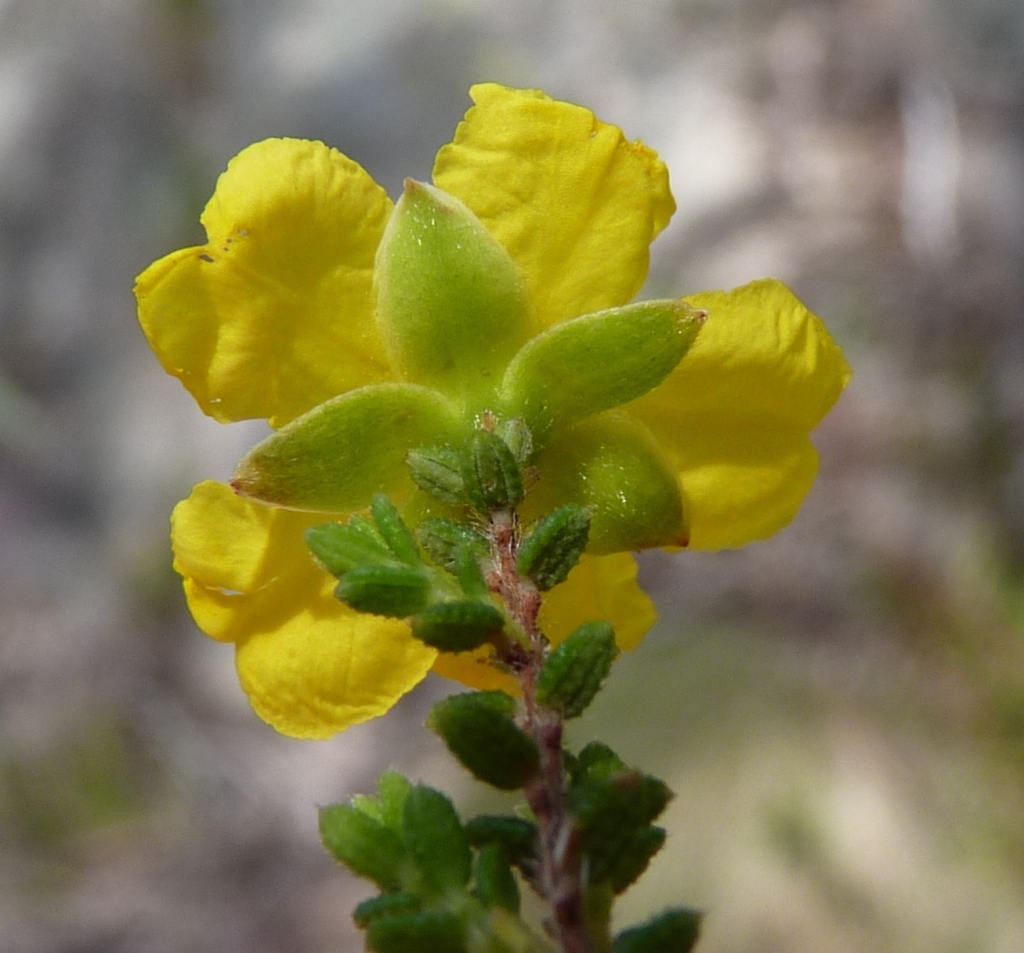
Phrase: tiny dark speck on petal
(206, 257)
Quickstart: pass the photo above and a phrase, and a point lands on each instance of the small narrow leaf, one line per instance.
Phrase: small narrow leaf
(417, 933)
(435, 838)
(457, 626)
(554, 546)
(495, 883)
(443, 538)
(573, 672)
(394, 591)
(490, 473)
(438, 471)
(674, 931)
(341, 547)
(394, 531)
(364, 845)
(479, 730)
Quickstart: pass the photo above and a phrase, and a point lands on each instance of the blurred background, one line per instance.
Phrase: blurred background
(840, 710)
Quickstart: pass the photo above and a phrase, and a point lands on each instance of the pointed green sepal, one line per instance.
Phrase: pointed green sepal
(435, 838)
(554, 546)
(426, 932)
(573, 672)
(490, 473)
(674, 931)
(451, 304)
(479, 730)
(442, 539)
(613, 466)
(438, 471)
(394, 591)
(458, 626)
(342, 547)
(384, 905)
(337, 455)
(495, 883)
(597, 362)
(366, 846)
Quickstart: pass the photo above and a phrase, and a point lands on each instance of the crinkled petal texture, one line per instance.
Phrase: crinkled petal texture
(573, 201)
(600, 587)
(310, 665)
(274, 314)
(736, 415)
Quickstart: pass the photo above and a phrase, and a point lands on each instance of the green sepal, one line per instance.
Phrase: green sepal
(516, 835)
(554, 546)
(426, 932)
(442, 539)
(495, 883)
(364, 845)
(452, 307)
(614, 467)
(674, 931)
(435, 838)
(596, 362)
(457, 626)
(392, 528)
(394, 591)
(384, 905)
(341, 547)
(438, 471)
(490, 473)
(337, 455)
(573, 672)
(479, 730)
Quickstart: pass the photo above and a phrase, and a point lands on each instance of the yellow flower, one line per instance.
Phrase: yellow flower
(274, 316)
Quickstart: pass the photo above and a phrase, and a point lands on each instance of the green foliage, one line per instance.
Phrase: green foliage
(674, 931)
(366, 846)
(435, 838)
(495, 883)
(573, 673)
(442, 539)
(457, 626)
(396, 591)
(490, 473)
(438, 471)
(480, 731)
(554, 546)
(429, 932)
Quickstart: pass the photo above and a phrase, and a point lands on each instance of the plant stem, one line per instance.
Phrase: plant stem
(560, 869)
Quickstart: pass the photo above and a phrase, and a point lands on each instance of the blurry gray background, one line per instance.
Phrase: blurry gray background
(840, 710)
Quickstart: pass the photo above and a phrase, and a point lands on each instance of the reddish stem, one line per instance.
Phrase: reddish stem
(560, 859)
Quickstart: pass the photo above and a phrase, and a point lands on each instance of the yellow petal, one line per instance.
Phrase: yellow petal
(274, 314)
(571, 199)
(600, 587)
(735, 415)
(310, 665)
(475, 670)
